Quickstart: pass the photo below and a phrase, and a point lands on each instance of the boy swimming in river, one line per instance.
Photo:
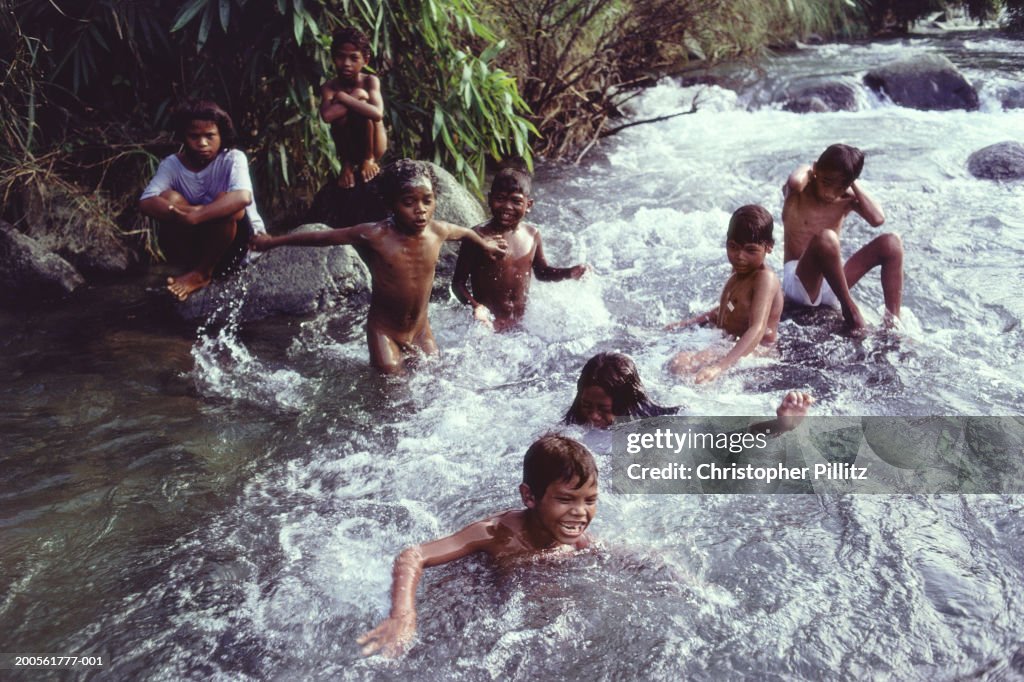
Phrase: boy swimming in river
(202, 197)
(751, 302)
(559, 491)
(500, 287)
(353, 106)
(817, 200)
(401, 253)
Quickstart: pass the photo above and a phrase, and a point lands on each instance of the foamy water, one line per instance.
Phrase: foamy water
(304, 473)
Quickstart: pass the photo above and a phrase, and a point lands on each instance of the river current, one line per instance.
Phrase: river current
(228, 505)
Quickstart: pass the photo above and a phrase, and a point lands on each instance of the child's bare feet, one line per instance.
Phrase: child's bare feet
(347, 179)
(184, 285)
(793, 409)
(369, 170)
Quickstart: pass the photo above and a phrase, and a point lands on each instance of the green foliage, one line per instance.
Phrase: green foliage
(90, 86)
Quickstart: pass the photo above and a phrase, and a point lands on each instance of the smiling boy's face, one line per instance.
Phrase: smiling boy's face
(565, 511)
(508, 208)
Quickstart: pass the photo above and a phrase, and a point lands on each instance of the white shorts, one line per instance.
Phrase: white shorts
(793, 289)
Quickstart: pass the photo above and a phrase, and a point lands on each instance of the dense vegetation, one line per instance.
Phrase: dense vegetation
(88, 87)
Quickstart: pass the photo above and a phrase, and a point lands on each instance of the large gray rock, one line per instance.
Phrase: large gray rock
(339, 207)
(1000, 161)
(284, 281)
(29, 272)
(69, 226)
(821, 97)
(928, 82)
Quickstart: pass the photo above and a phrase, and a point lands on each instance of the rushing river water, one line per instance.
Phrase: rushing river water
(229, 507)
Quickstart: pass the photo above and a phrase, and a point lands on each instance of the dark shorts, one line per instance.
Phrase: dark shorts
(231, 262)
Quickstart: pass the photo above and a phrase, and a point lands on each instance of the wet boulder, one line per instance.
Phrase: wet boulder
(283, 281)
(78, 229)
(821, 97)
(1000, 161)
(363, 203)
(30, 272)
(929, 82)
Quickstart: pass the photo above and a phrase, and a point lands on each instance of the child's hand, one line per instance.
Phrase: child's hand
(182, 216)
(578, 271)
(261, 242)
(793, 409)
(390, 637)
(709, 373)
(496, 247)
(483, 315)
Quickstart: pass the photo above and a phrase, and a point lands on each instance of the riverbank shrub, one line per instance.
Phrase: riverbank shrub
(88, 89)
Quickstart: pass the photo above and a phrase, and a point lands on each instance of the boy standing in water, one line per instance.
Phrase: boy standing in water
(817, 200)
(202, 197)
(751, 302)
(500, 287)
(401, 252)
(353, 106)
(559, 491)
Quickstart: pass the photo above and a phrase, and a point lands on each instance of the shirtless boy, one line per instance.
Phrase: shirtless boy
(352, 104)
(500, 287)
(817, 200)
(559, 490)
(751, 302)
(401, 252)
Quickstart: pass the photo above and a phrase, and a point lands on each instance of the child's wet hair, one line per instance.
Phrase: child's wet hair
(751, 224)
(403, 175)
(843, 159)
(352, 36)
(557, 458)
(616, 375)
(513, 177)
(203, 110)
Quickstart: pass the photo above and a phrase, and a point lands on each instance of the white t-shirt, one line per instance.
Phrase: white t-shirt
(228, 172)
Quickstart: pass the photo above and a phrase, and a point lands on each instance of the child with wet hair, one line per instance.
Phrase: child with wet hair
(750, 305)
(352, 104)
(401, 253)
(202, 197)
(609, 387)
(559, 493)
(818, 198)
(499, 288)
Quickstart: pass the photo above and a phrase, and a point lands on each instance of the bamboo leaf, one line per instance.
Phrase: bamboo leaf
(298, 25)
(282, 154)
(204, 27)
(186, 13)
(225, 14)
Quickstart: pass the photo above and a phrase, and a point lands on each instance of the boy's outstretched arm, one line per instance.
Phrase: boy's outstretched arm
(866, 206)
(395, 632)
(547, 273)
(760, 308)
(340, 236)
(710, 317)
(494, 247)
